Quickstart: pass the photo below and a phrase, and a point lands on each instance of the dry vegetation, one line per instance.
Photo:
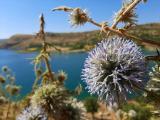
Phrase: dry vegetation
(74, 41)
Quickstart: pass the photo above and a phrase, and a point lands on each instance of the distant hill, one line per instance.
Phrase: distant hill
(77, 40)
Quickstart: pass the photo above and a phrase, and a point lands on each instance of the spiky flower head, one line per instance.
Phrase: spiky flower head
(129, 17)
(12, 89)
(61, 76)
(113, 69)
(51, 97)
(3, 100)
(75, 110)
(32, 113)
(78, 17)
(132, 113)
(38, 72)
(5, 68)
(2, 79)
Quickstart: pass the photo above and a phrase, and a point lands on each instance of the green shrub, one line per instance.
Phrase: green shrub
(91, 104)
(143, 113)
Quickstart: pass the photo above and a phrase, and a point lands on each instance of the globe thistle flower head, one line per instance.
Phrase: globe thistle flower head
(32, 113)
(78, 17)
(113, 69)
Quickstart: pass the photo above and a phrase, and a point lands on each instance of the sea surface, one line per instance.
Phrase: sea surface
(71, 63)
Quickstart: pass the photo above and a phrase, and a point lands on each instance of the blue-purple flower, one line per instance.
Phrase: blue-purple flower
(113, 69)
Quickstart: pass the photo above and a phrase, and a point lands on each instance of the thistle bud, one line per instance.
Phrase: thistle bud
(12, 78)
(2, 100)
(2, 79)
(62, 76)
(132, 113)
(15, 90)
(8, 88)
(5, 69)
(39, 72)
(78, 17)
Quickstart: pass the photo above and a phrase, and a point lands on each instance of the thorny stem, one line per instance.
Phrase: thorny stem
(121, 33)
(44, 49)
(1, 90)
(145, 90)
(123, 13)
(149, 58)
(9, 105)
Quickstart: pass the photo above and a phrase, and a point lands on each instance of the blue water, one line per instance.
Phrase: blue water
(71, 63)
(21, 65)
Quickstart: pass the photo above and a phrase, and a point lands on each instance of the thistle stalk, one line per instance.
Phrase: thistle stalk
(8, 108)
(44, 47)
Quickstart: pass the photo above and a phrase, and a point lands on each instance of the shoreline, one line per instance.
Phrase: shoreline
(66, 50)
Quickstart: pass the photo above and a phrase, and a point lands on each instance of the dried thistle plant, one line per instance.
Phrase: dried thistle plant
(129, 17)
(43, 57)
(51, 95)
(8, 88)
(7, 82)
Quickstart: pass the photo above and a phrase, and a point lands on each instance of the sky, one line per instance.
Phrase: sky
(22, 16)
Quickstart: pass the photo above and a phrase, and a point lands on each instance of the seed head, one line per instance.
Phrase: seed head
(3, 100)
(113, 69)
(38, 72)
(50, 97)
(74, 110)
(62, 76)
(5, 68)
(12, 89)
(78, 17)
(2, 79)
(132, 113)
(129, 17)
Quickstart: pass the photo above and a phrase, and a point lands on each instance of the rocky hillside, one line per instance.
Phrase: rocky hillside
(79, 40)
